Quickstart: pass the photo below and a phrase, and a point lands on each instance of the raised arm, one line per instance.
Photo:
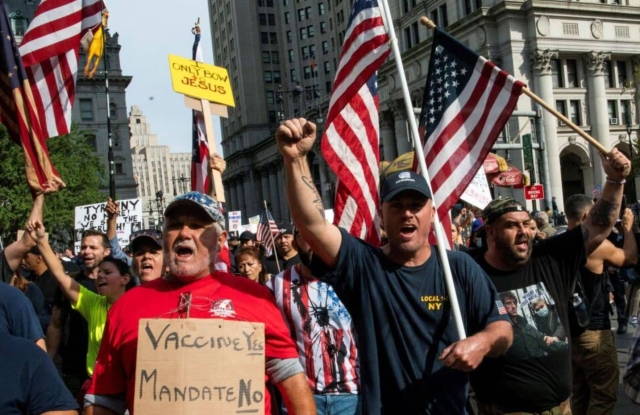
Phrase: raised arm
(69, 286)
(295, 138)
(607, 254)
(604, 212)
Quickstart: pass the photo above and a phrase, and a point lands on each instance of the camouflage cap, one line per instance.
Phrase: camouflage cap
(499, 207)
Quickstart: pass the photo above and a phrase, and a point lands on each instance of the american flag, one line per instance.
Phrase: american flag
(467, 102)
(267, 225)
(350, 141)
(50, 50)
(18, 111)
(200, 145)
(501, 308)
(597, 191)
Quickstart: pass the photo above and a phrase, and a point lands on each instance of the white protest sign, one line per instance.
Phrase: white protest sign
(253, 220)
(235, 220)
(478, 193)
(199, 366)
(95, 217)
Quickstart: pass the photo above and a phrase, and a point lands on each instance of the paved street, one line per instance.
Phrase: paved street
(625, 406)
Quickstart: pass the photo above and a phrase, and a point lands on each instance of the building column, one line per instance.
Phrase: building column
(598, 110)
(282, 193)
(387, 136)
(264, 184)
(240, 187)
(540, 61)
(274, 198)
(401, 130)
(234, 195)
(248, 194)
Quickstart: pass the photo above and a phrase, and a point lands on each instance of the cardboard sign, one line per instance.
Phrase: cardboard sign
(95, 217)
(478, 193)
(534, 192)
(199, 80)
(199, 366)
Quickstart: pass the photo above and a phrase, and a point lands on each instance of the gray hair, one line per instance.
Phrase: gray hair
(542, 218)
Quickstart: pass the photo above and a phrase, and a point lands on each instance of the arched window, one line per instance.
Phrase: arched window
(113, 111)
(19, 23)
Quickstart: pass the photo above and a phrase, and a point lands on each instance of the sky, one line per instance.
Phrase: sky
(149, 31)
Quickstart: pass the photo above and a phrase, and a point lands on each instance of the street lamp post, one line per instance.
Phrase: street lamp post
(631, 174)
(183, 185)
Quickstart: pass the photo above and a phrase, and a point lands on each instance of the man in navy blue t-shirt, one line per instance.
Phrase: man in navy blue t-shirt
(412, 361)
(17, 316)
(30, 382)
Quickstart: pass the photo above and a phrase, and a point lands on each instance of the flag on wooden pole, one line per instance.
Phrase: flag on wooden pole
(351, 136)
(200, 180)
(467, 102)
(18, 111)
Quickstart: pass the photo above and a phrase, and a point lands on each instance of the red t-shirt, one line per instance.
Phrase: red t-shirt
(222, 295)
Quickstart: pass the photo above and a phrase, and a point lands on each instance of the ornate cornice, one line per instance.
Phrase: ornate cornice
(540, 60)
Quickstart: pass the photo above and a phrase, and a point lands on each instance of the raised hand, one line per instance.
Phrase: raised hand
(36, 230)
(295, 138)
(616, 166)
(216, 162)
(113, 210)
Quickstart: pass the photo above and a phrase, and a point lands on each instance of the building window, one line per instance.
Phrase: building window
(91, 141)
(300, 15)
(323, 27)
(273, 117)
(290, 55)
(266, 57)
(407, 38)
(293, 75)
(310, 30)
(572, 73)
(303, 33)
(320, 9)
(137, 120)
(264, 38)
(625, 113)
(612, 111)
(272, 19)
(561, 107)
(19, 23)
(119, 168)
(86, 109)
(621, 66)
(327, 68)
(271, 97)
(273, 36)
(416, 33)
(268, 77)
(556, 74)
(574, 112)
(262, 19)
(287, 17)
(276, 77)
(308, 13)
(113, 111)
(305, 52)
(328, 86)
(608, 74)
(275, 57)
(307, 72)
(289, 36)
(325, 47)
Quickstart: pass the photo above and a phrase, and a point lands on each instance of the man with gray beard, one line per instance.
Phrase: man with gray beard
(193, 235)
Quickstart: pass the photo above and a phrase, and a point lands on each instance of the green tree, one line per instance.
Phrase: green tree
(79, 167)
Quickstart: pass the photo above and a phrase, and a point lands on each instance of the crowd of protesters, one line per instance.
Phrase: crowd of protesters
(349, 328)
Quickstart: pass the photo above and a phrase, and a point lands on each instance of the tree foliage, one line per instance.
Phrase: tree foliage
(79, 167)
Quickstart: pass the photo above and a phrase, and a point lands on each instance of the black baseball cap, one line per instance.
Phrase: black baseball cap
(401, 181)
(146, 235)
(247, 236)
(285, 228)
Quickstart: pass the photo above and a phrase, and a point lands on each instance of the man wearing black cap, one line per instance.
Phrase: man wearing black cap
(193, 235)
(548, 269)
(412, 361)
(286, 251)
(247, 238)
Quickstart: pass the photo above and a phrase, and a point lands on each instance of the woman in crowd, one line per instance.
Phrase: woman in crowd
(249, 263)
(112, 281)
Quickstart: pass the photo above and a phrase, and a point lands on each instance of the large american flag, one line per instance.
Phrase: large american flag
(50, 50)
(467, 102)
(18, 111)
(200, 145)
(267, 230)
(350, 141)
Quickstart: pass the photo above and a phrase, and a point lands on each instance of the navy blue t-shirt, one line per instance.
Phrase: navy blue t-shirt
(403, 321)
(17, 316)
(30, 382)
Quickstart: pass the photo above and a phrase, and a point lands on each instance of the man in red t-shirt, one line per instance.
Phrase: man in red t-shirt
(193, 236)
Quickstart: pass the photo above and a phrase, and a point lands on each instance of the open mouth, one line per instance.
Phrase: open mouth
(522, 245)
(101, 284)
(407, 231)
(183, 252)
(147, 267)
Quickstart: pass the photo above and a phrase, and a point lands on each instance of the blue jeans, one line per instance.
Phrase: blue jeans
(342, 404)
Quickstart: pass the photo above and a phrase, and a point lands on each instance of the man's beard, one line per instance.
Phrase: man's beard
(187, 272)
(510, 254)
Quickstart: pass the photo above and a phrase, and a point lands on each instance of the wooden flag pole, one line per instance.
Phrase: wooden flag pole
(216, 190)
(425, 21)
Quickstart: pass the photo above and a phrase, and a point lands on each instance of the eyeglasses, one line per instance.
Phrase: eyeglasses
(152, 233)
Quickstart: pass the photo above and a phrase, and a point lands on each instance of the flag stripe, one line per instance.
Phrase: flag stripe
(200, 180)
(350, 141)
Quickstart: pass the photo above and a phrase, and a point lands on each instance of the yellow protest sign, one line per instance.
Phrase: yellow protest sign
(200, 80)
(199, 366)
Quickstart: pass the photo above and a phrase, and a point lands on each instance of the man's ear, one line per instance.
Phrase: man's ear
(222, 239)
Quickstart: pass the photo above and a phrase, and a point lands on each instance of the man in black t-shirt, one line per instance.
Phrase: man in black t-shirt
(547, 269)
(412, 360)
(285, 250)
(593, 352)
